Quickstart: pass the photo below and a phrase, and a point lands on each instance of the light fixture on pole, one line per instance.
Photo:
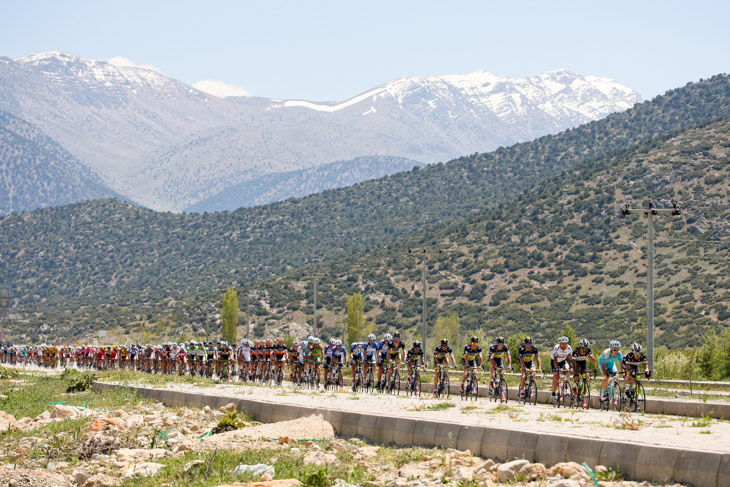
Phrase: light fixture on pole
(651, 212)
(315, 276)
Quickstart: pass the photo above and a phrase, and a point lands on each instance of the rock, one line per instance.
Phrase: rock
(258, 469)
(319, 458)
(134, 421)
(564, 483)
(3, 397)
(146, 469)
(464, 473)
(190, 465)
(102, 480)
(182, 447)
(367, 452)
(7, 420)
(507, 471)
(79, 477)
(569, 470)
(46, 415)
(131, 454)
(28, 442)
(228, 408)
(62, 411)
(342, 483)
(21, 477)
(533, 471)
(102, 424)
(486, 466)
(457, 453)
(56, 465)
(98, 445)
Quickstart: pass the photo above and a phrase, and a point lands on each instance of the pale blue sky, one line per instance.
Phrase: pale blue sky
(332, 50)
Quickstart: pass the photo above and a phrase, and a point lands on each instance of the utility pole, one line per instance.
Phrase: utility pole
(651, 212)
(315, 276)
(425, 254)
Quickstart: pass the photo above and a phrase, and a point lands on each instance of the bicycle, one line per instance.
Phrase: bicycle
(413, 383)
(500, 391)
(614, 395)
(582, 395)
(443, 388)
(529, 394)
(369, 383)
(636, 400)
(471, 386)
(565, 390)
(357, 381)
(394, 385)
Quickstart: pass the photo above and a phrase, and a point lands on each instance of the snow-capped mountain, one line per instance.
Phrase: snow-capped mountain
(168, 146)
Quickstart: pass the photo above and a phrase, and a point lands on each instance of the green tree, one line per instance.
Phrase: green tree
(513, 343)
(356, 325)
(448, 327)
(229, 316)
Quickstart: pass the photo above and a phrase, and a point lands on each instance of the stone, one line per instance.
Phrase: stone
(228, 408)
(319, 458)
(507, 471)
(79, 477)
(367, 452)
(258, 469)
(103, 424)
(569, 470)
(146, 469)
(486, 466)
(190, 465)
(62, 411)
(564, 483)
(56, 465)
(533, 471)
(465, 474)
(46, 415)
(102, 480)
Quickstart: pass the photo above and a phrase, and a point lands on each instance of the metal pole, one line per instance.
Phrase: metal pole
(650, 295)
(315, 306)
(423, 338)
(248, 315)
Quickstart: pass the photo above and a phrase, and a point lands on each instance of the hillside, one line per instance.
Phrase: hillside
(36, 172)
(296, 184)
(131, 260)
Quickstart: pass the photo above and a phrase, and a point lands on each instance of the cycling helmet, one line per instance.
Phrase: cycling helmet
(474, 339)
(636, 348)
(416, 344)
(444, 341)
(332, 341)
(315, 340)
(563, 339)
(388, 337)
(528, 340)
(614, 344)
(295, 343)
(396, 334)
(500, 340)
(338, 343)
(371, 337)
(584, 343)
(310, 338)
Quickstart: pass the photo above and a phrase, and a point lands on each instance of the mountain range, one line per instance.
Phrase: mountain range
(532, 223)
(165, 145)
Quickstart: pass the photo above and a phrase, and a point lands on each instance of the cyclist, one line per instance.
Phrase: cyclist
(278, 355)
(580, 357)
(631, 363)
(357, 358)
(472, 357)
(529, 358)
(607, 364)
(293, 359)
(497, 351)
(371, 353)
(396, 351)
(328, 359)
(382, 352)
(414, 356)
(316, 352)
(339, 357)
(442, 353)
(224, 359)
(559, 361)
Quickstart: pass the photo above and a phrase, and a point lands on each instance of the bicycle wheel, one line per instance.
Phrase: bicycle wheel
(474, 392)
(639, 398)
(503, 391)
(567, 394)
(614, 395)
(532, 397)
(446, 386)
(586, 396)
(416, 385)
(396, 382)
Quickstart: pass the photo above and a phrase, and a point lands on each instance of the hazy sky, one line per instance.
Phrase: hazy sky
(333, 50)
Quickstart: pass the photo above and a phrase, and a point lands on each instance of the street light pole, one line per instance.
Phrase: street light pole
(651, 212)
(425, 255)
(316, 276)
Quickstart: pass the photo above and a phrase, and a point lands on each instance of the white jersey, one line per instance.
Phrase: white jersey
(560, 353)
(244, 351)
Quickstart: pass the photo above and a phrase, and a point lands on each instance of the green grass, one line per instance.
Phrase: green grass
(442, 406)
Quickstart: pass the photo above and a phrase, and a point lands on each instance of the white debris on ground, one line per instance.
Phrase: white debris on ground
(135, 443)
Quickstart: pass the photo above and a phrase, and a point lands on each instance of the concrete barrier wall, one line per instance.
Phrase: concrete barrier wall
(637, 462)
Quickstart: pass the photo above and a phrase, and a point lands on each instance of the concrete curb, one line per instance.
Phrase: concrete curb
(637, 462)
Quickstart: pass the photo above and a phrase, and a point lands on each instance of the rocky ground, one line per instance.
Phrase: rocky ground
(149, 444)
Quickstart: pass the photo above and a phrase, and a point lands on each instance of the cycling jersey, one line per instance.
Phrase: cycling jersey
(561, 353)
(371, 350)
(316, 352)
(414, 355)
(394, 349)
(527, 355)
(442, 351)
(471, 353)
(634, 359)
(339, 355)
(581, 354)
(279, 351)
(496, 352)
(610, 361)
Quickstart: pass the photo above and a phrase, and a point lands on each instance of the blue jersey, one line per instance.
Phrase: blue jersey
(610, 360)
(371, 349)
(339, 354)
